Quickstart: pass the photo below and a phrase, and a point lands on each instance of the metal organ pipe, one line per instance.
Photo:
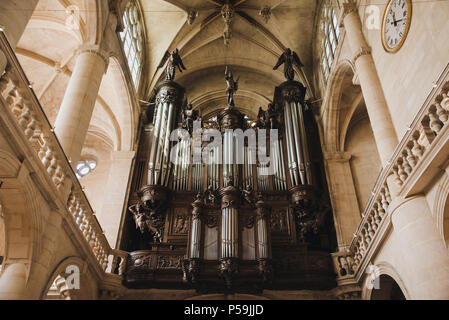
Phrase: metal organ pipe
(305, 145)
(298, 142)
(292, 169)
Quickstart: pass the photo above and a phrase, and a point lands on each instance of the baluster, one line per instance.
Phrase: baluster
(405, 164)
(387, 195)
(377, 217)
(417, 149)
(441, 113)
(445, 102)
(402, 174)
(435, 123)
(397, 179)
(411, 159)
(11, 96)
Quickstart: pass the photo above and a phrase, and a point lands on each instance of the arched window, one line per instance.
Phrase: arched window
(330, 34)
(85, 167)
(132, 38)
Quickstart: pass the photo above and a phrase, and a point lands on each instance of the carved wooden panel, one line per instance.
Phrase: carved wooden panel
(279, 220)
(180, 222)
(169, 262)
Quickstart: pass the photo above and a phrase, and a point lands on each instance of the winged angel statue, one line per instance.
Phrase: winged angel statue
(289, 58)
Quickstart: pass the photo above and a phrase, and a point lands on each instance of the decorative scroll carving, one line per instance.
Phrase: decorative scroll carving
(293, 92)
(289, 59)
(174, 62)
(149, 213)
(138, 262)
(167, 94)
(211, 221)
(247, 221)
(228, 270)
(169, 262)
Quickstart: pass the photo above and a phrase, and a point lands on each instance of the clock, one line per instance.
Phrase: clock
(396, 24)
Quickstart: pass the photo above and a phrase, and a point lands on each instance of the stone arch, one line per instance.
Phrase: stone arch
(19, 211)
(388, 278)
(63, 278)
(127, 115)
(441, 209)
(337, 85)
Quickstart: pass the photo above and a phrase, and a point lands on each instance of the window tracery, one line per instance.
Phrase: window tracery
(132, 38)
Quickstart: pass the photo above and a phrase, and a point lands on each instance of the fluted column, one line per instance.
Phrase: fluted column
(77, 107)
(425, 257)
(14, 17)
(376, 104)
(13, 282)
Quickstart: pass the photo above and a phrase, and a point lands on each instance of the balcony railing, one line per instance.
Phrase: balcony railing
(26, 111)
(421, 146)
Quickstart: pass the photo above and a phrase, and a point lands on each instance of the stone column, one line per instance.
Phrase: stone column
(77, 107)
(376, 104)
(13, 282)
(14, 17)
(424, 254)
(116, 193)
(344, 198)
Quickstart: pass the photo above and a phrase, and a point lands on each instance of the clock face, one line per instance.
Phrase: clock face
(396, 24)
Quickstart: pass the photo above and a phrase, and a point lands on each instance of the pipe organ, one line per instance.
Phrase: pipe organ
(230, 207)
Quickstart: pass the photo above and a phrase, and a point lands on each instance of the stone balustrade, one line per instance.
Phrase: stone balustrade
(410, 159)
(118, 263)
(25, 108)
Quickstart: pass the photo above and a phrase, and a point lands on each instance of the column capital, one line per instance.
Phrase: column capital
(96, 50)
(362, 51)
(348, 7)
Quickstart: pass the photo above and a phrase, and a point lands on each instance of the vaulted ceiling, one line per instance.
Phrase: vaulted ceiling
(252, 51)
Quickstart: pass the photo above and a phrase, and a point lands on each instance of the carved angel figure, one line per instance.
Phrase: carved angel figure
(248, 194)
(211, 195)
(233, 86)
(289, 59)
(174, 62)
(261, 119)
(188, 116)
(146, 219)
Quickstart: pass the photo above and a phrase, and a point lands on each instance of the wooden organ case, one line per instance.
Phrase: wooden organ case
(230, 227)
